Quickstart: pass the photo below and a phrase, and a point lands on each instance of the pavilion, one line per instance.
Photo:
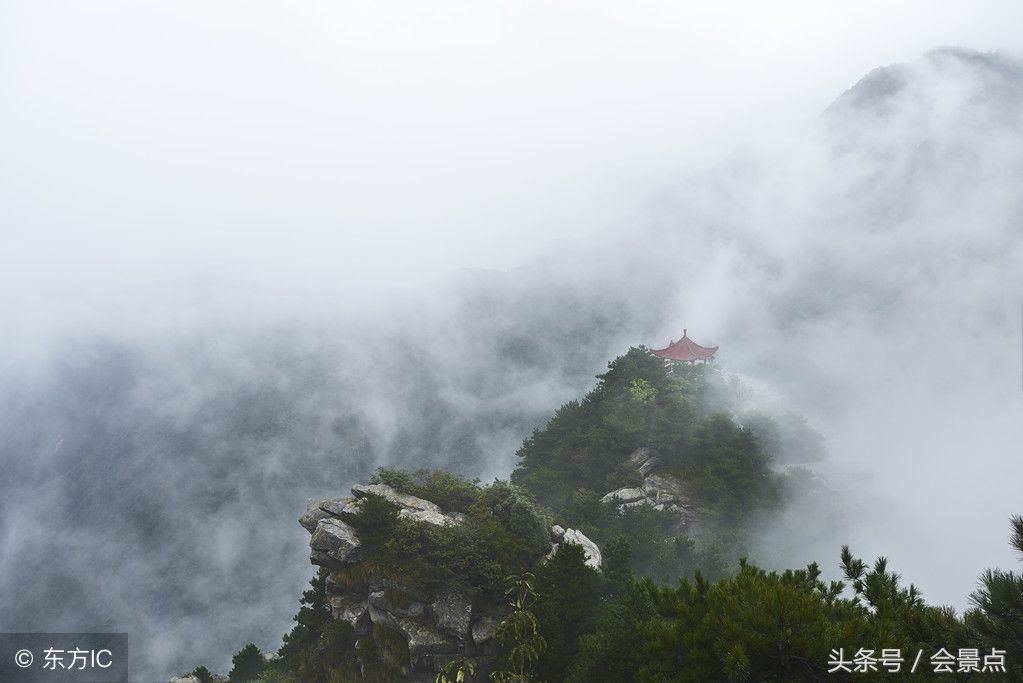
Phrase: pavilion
(685, 350)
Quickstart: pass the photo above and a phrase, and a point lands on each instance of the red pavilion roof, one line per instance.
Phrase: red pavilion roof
(685, 349)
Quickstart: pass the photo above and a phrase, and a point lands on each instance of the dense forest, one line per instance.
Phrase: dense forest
(667, 470)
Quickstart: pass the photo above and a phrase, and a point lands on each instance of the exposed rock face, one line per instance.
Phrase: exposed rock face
(341, 507)
(626, 495)
(593, 558)
(663, 490)
(334, 544)
(590, 549)
(425, 639)
(452, 611)
(402, 500)
(659, 490)
(430, 517)
(646, 460)
(436, 629)
(351, 608)
(313, 515)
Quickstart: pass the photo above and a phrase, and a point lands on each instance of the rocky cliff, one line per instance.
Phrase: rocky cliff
(419, 630)
(659, 490)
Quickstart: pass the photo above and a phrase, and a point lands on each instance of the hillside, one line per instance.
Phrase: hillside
(570, 572)
(666, 458)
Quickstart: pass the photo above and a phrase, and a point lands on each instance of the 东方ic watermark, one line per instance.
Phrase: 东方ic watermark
(64, 657)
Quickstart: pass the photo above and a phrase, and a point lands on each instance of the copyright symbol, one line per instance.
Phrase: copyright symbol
(23, 658)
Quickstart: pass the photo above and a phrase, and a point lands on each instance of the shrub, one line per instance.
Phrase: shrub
(452, 492)
(376, 520)
(203, 674)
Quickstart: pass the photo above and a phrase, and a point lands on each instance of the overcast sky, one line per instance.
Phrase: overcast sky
(331, 142)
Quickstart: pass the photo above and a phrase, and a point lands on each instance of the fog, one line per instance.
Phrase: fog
(248, 255)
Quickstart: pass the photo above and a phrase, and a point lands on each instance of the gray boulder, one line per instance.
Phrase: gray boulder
(351, 608)
(590, 549)
(646, 460)
(400, 499)
(660, 491)
(662, 488)
(334, 543)
(341, 507)
(431, 517)
(424, 639)
(457, 517)
(452, 612)
(331, 507)
(313, 515)
(625, 495)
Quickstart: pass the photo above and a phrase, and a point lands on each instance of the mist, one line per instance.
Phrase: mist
(249, 256)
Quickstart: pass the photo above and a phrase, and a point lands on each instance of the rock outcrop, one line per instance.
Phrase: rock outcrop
(334, 543)
(402, 500)
(561, 535)
(659, 490)
(426, 631)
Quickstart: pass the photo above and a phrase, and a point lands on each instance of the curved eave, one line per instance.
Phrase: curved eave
(677, 354)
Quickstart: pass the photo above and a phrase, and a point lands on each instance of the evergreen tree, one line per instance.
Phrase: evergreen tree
(313, 615)
(998, 617)
(567, 607)
(247, 664)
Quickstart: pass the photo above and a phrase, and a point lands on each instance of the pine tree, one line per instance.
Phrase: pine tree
(998, 617)
(247, 665)
(312, 616)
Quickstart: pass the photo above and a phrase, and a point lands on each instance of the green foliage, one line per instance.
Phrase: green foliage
(203, 674)
(567, 607)
(682, 412)
(786, 438)
(503, 532)
(392, 649)
(376, 520)
(617, 563)
(332, 655)
(728, 476)
(313, 615)
(879, 587)
(615, 650)
(273, 675)
(451, 492)
(519, 634)
(247, 664)
(460, 670)
(754, 626)
(998, 615)
(517, 513)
